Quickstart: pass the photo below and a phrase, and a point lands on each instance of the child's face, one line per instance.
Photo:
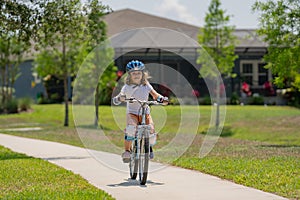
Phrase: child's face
(136, 77)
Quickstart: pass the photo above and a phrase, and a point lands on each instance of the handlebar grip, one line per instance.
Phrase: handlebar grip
(130, 100)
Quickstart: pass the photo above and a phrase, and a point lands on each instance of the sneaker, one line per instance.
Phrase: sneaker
(151, 155)
(126, 157)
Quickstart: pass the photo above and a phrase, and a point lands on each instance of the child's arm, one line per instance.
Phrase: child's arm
(120, 97)
(154, 94)
(158, 97)
(117, 100)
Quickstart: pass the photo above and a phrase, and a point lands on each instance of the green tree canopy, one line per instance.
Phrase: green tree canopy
(280, 28)
(217, 40)
(16, 30)
(68, 32)
(60, 35)
(217, 54)
(97, 45)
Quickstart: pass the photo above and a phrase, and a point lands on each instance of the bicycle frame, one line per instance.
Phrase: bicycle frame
(141, 146)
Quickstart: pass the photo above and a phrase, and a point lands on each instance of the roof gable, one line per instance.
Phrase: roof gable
(128, 19)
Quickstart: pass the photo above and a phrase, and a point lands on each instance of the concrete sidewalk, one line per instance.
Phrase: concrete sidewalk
(168, 183)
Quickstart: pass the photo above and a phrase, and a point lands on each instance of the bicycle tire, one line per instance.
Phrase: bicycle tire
(133, 164)
(144, 160)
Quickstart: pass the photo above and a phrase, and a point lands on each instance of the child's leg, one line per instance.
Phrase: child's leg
(152, 131)
(132, 120)
(150, 122)
(127, 145)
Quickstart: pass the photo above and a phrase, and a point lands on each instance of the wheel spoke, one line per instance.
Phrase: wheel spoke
(133, 165)
(144, 159)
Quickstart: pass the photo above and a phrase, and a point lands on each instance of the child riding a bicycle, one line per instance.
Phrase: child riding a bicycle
(136, 86)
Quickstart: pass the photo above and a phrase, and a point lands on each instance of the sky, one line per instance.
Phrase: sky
(192, 11)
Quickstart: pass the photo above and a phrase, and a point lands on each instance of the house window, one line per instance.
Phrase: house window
(247, 72)
(247, 68)
(263, 74)
(254, 73)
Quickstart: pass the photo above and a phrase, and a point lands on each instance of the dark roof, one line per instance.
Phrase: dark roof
(128, 19)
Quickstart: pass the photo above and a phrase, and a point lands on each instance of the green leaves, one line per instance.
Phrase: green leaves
(280, 27)
(60, 33)
(96, 27)
(218, 41)
(67, 32)
(16, 30)
(217, 53)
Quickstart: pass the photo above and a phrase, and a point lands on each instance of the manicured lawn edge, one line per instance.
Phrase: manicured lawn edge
(24, 177)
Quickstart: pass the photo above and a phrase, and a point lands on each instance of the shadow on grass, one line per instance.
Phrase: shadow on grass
(279, 146)
(226, 132)
(94, 127)
(12, 155)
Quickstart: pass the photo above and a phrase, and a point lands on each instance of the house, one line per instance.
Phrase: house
(28, 84)
(249, 66)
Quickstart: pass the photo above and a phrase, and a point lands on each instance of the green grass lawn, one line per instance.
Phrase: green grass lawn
(259, 147)
(23, 177)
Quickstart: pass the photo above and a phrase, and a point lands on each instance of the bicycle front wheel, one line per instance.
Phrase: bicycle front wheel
(133, 164)
(144, 160)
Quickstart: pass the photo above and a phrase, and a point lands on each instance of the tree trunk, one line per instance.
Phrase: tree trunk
(218, 103)
(66, 75)
(7, 96)
(66, 101)
(6, 84)
(96, 105)
(2, 88)
(97, 94)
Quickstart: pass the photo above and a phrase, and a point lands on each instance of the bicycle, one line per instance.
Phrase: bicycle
(140, 147)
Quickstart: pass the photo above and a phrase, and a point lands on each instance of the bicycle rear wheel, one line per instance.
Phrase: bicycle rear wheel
(133, 164)
(144, 160)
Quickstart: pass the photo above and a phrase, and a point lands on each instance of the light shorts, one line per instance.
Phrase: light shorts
(133, 119)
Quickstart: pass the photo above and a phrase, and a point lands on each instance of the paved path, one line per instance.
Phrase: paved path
(167, 183)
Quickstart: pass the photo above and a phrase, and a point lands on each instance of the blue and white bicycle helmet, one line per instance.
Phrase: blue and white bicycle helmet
(135, 65)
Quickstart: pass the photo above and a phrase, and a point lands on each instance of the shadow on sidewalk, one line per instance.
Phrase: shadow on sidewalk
(130, 182)
(65, 158)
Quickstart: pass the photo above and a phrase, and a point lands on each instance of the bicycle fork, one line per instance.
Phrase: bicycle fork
(142, 133)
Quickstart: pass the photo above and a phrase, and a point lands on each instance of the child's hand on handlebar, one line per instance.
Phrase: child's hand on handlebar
(162, 99)
(122, 98)
(165, 101)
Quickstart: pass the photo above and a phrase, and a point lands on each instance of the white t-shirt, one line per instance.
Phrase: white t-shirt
(140, 92)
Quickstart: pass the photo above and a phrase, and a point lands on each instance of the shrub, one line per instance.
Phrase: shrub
(173, 100)
(105, 95)
(293, 99)
(25, 103)
(257, 100)
(41, 99)
(235, 99)
(1, 108)
(206, 100)
(11, 106)
(56, 98)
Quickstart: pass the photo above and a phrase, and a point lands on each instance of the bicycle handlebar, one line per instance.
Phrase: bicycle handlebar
(131, 100)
